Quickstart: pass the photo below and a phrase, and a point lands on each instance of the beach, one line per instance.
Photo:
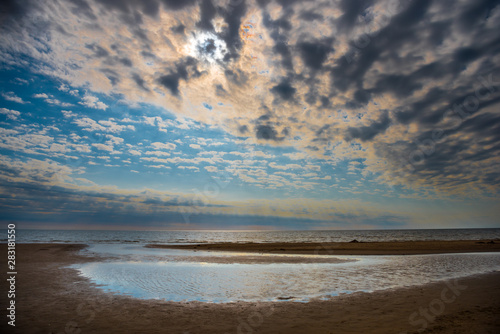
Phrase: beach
(53, 299)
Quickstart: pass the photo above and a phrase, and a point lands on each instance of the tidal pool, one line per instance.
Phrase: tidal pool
(221, 277)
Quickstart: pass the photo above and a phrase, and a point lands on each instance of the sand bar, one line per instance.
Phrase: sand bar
(350, 248)
(53, 299)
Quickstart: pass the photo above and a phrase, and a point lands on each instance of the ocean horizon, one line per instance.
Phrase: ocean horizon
(206, 236)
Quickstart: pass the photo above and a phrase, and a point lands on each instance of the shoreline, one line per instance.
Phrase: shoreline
(53, 298)
(348, 248)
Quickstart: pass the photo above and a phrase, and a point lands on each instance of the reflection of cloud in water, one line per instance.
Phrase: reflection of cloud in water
(223, 277)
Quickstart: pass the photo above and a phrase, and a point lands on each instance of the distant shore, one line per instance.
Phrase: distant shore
(52, 298)
(350, 248)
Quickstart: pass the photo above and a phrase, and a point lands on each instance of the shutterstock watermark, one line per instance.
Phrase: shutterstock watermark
(456, 115)
(255, 319)
(372, 29)
(427, 315)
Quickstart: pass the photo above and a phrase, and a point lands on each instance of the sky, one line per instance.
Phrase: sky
(250, 114)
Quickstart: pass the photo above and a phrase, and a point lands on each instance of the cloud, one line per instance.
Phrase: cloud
(89, 124)
(284, 167)
(68, 113)
(211, 169)
(11, 114)
(11, 96)
(104, 147)
(352, 80)
(135, 152)
(58, 103)
(158, 153)
(164, 146)
(315, 53)
(65, 88)
(366, 133)
(184, 69)
(93, 102)
(284, 90)
(267, 132)
(50, 100)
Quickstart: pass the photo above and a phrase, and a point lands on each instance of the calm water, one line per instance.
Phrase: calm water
(163, 237)
(219, 277)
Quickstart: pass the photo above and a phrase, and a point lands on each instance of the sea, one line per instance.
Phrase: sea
(120, 264)
(188, 237)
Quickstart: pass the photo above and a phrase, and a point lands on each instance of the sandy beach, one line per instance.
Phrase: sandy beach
(351, 248)
(53, 299)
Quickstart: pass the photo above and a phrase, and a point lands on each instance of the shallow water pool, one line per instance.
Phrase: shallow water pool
(175, 275)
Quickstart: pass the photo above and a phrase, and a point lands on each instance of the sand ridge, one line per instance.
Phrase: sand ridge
(349, 248)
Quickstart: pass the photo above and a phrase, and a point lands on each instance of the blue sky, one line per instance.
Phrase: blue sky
(249, 115)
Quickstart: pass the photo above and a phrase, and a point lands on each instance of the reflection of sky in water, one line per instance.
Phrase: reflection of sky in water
(176, 275)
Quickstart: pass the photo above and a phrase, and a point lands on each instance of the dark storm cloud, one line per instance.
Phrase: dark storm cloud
(265, 127)
(207, 13)
(412, 27)
(448, 154)
(310, 16)
(220, 91)
(476, 12)
(177, 4)
(314, 53)
(267, 132)
(433, 96)
(264, 118)
(394, 36)
(278, 31)
(184, 70)
(284, 90)
(243, 129)
(112, 75)
(13, 13)
(147, 54)
(233, 15)
(431, 108)
(238, 77)
(125, 61)
(139, 81)
(446, 160)
(99, 52)
(82, 7)
(179, 29)
(263, 3)
(13, 8)
(362, 96)
(400, 85)
(352, 9)
(147, 7)
(119, 5)
(170, 81)
(365, 133)
(150, 7)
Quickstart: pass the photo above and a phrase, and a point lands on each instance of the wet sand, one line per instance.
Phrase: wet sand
(350, 248)
(54, 299)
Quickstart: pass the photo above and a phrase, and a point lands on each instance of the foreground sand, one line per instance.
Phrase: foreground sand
(54, 299)
(351, 248)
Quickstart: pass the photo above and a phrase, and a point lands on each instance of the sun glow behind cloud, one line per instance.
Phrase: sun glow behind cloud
(206, 47)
